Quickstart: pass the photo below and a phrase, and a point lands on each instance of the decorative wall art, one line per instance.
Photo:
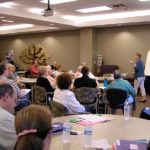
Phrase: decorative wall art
(34, 52)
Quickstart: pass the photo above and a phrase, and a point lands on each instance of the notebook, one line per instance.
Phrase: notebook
(130, 145)
(57, 127)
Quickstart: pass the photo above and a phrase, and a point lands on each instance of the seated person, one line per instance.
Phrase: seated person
(3, 77)
(64, 96)
(50, 77)
(78, 73)
(58, 71)
(90, 73)
(8, 99)
(33, 128)
(42, 79)
(85, 81)
(13, 75)
(54, 65)
(124, 85)
(33, 69)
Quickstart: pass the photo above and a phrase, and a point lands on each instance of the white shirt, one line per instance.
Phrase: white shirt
(67, 98)
(56, 73)
(7, 130)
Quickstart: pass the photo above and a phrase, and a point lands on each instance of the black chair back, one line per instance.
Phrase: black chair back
(86, 95)
(116, 96)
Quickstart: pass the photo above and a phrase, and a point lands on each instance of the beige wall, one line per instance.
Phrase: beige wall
(62, 46)
(70, 48)
(118, 44)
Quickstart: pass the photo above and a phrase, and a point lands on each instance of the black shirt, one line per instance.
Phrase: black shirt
(85, 81)
(53, 67)
(43, 82)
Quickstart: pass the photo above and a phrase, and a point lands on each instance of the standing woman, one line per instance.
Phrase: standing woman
(139, 75)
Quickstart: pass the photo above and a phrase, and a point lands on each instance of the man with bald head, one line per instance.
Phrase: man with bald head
(8, 97)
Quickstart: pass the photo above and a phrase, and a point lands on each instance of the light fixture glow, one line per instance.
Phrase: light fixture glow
(6, 4)
(111, 16)
(36, 10)
(143, 0)
(94, 9)
(13, 27)
(10, 21)
(57, 1)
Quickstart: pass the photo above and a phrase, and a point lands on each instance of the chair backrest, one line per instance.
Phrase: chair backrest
(86, 95)
(39, 94)
(58, 109)
(116, 96)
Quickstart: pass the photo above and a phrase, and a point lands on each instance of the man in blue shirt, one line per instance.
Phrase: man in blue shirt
(139, 75)
(124, 85)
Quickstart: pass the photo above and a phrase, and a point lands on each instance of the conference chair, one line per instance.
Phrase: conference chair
(87, 97)
(42, 97)
(116, 99)
(58, 109)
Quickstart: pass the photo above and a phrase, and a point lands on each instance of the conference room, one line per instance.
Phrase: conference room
(81, 37)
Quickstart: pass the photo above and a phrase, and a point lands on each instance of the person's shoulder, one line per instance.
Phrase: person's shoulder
(5, 115)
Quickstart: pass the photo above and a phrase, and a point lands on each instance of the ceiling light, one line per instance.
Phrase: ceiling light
(144, 0)
(94, 9)
(10, 21)
(36, 10)
(13, 27)
(6, 4)
(111, 16)
(52, 24)
(57, 1)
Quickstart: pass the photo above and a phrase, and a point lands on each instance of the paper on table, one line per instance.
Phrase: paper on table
(100, 144)
(93, 118)
(25, 91)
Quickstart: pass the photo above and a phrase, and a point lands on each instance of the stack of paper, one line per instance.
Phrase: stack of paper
(91, 119)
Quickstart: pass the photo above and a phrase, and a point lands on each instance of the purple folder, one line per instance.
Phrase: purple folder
(130, 145)
(57, 127)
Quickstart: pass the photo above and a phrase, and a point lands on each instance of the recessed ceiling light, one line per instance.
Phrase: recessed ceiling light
(57, 1)
(6, 4)
(144, 0)
(10, 21)
(13, 27)
(52, 24)
(36, 10)
(94, 9)
(111, 16)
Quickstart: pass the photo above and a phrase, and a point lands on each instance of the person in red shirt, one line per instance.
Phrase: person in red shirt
(33, 69)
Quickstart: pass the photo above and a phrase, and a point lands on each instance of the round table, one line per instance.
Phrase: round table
(132, 129)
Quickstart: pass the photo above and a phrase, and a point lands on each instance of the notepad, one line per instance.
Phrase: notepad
(130, 145)
(57, 127)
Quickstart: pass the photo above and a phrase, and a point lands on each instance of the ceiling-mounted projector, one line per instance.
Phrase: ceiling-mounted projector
(47, 12)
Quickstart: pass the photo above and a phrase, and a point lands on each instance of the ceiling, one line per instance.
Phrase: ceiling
(67, 18)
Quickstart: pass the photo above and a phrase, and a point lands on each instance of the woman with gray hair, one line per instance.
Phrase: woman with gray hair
(42, 79)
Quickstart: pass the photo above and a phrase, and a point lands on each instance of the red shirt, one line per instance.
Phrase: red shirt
(34, 71)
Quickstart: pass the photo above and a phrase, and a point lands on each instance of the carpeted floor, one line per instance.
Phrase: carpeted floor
(139, 106)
